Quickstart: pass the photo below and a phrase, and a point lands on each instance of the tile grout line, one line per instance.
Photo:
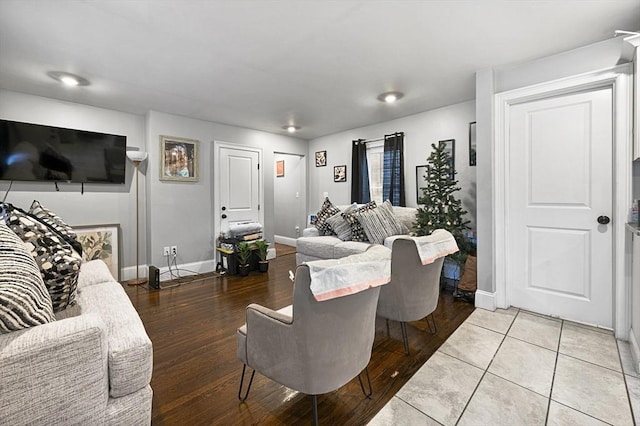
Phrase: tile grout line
(504, 336)
(553, 378)
(416, 408)
(626, 386)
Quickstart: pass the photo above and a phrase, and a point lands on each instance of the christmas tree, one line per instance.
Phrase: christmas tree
(439, 208)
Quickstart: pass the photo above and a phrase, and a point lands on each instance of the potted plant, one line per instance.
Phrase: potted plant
(262, 248)
(243, 252)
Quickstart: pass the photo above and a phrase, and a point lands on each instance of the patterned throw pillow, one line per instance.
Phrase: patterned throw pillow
(24, 300)
(55, 223)
(380, 223)
(357, 232)
(326, 211)
(340, 226)
(59, 264)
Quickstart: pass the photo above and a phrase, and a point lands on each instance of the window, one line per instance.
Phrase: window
(375, 162)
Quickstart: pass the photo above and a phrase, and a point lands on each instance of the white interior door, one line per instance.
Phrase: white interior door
(239, 186)
(559, 258)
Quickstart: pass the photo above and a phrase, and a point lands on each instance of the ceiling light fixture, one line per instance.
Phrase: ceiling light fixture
(291, 128)
(68, 79)
(390, 97)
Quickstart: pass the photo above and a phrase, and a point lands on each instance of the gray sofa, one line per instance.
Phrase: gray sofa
(313, 246)
(92, 365)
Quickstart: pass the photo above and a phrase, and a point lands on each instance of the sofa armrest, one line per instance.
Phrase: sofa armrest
(55, 373)
(310, 232)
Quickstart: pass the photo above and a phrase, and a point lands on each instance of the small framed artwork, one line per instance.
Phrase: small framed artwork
(340, 173)
(280, 168)
(311, 220)
(450, 148)
(100, 242)
(472, 143)
(321, 158)
(421, 181)
(178, 159)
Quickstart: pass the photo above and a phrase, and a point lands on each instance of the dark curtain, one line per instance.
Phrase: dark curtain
(360, 173)
(393, 174)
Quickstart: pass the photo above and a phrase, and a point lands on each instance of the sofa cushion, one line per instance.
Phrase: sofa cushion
(94, 272)
(339, 225)
(347, 248)
(317, 246)
(59, 264)
(357, 232)
(130, 350)
(380, 223)
(56, 224)
(24, 299)
(406, 216)
(326, 211)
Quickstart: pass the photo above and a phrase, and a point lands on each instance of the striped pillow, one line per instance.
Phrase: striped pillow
(357, 232)
(24, 300)
(339, 225)
(380, 223)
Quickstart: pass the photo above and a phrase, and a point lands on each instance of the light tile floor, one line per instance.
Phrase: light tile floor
(512, 367)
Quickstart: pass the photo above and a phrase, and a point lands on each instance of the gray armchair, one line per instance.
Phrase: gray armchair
(414, 289)
(315, 347)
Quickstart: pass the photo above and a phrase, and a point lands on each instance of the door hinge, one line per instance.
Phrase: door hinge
(258, 166)
(258, 206)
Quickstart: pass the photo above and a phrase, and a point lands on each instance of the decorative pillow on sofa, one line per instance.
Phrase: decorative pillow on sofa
(339, 225)
(357, 232)
(380, 223)
(24, 300)
(326, 211)
(59, 264)
(55, 223)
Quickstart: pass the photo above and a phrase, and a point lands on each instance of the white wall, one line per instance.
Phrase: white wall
(289, 193)
(181, 213)
(421, 130)
(101, 203)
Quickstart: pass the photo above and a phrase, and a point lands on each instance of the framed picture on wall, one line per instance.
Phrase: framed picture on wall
(321, 158)
(450, 148)
(340, 173)
(178, 159)
(100, 242)
(472, 143)
(421, 182)
(280, 168)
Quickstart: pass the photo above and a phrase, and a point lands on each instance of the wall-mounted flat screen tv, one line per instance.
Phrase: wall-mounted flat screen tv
(33, 152)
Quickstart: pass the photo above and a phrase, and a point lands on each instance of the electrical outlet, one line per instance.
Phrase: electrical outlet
(167, 251)
(174, 251)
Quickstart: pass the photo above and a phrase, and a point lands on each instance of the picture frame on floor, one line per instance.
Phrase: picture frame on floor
(178, 159)
(100, 242)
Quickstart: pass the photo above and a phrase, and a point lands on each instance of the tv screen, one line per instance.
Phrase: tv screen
(33, 152)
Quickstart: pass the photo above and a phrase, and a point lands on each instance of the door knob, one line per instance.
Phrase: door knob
(603, 220)
(224, 216)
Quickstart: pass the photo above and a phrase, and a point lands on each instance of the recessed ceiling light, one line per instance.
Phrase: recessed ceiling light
(68, 79)
(390, 97)
(291, 128)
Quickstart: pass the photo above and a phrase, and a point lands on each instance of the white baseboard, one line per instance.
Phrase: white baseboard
(285, 240)
(635, 350)
(184, 270)
(129, 272)
(485, 300)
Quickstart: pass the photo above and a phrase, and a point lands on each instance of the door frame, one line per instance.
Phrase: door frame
(217, 146)
(618, 79)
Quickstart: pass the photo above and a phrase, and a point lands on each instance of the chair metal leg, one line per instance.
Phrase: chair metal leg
(405, 337)
(433, 330)
(370, 393)
(246, 395)
(314, 401)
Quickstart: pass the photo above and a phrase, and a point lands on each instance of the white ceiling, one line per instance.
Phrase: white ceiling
(263, 64)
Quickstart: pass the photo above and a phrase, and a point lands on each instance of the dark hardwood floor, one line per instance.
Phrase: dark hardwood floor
(196, 373)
